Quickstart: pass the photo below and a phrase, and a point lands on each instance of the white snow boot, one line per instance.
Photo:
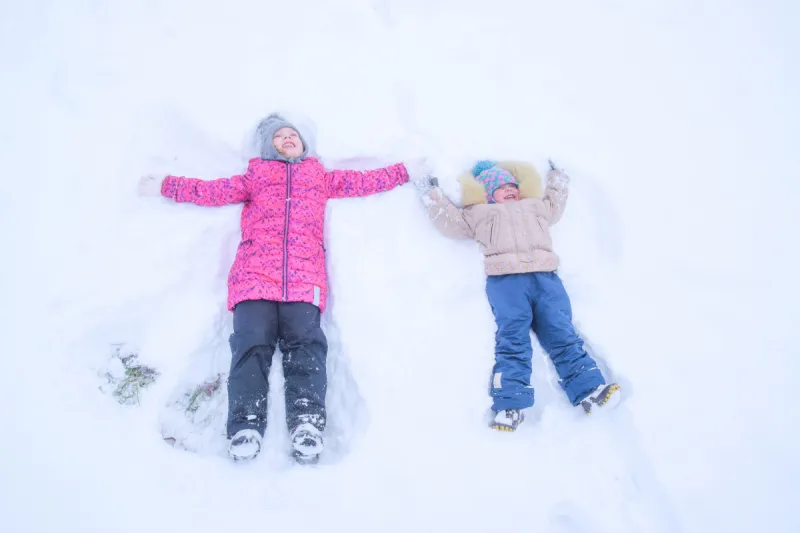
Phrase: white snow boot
(605, 396)
(507, 420)
(306, 444)
(245, 445)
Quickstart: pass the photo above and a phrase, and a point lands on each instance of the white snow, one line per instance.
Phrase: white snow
(678, 124)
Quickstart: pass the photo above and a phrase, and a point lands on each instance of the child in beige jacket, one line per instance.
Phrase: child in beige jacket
(507, 212)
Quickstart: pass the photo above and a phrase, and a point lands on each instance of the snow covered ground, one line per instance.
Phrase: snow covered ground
(678, 122)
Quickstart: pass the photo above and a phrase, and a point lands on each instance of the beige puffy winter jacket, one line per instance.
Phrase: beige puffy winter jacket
(514, 236)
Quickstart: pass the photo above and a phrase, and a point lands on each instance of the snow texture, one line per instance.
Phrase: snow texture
(678, 124)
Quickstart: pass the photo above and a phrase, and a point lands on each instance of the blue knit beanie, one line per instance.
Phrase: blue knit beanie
(492, 177)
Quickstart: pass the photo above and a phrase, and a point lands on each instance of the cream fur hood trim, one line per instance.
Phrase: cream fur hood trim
(530, 183)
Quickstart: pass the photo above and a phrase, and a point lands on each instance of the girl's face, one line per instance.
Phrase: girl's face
(506, 193)
(287, 142)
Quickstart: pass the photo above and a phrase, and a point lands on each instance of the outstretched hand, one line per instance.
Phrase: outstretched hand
(427, 187)
(556, 175)
(425, 183)
(558, 178)
(150, 185)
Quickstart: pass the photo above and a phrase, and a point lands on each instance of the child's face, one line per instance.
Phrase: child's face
(287, 142)
(506, 193)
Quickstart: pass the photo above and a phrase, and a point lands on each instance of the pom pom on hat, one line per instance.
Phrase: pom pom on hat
(480, 166)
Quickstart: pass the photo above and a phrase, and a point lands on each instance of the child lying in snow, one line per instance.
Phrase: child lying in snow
(277, 285)
(510, 218)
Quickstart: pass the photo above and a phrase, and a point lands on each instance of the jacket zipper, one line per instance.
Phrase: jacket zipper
(286, 233)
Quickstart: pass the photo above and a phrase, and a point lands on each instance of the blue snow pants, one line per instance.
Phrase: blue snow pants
(536, 300)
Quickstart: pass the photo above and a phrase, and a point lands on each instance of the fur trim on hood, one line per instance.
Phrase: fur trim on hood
(530, 183)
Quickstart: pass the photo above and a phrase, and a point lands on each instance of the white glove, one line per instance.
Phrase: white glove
(558, 178)
(425, 184)
(428, 189)
(417, 168)
(150, 185)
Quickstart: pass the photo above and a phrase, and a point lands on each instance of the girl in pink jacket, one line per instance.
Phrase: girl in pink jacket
(277, 287)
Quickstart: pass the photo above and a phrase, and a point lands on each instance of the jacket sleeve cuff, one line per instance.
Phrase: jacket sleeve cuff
(169, 188)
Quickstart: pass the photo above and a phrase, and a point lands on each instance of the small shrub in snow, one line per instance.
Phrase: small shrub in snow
(195, 415)
(125, 377)
(202, 393)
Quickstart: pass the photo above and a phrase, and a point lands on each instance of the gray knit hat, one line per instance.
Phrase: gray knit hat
(266, 131)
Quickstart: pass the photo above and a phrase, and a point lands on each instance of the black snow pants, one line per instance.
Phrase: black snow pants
(258, 327)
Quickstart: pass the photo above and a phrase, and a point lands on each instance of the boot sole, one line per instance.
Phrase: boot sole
(507, 428)
(503, 427)
(609, 399)
(305, 460)
(307, 455)
(241, 458)
(247, 450)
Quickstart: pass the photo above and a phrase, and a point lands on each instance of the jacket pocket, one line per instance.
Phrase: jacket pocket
(488, 232)
(543, 240)
(493, 232)
(243, 254)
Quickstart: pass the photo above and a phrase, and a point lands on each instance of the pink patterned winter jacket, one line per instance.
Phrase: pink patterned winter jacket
(281, 255)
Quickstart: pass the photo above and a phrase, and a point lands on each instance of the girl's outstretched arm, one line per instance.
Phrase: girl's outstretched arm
(217, 192)
(353, 183)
